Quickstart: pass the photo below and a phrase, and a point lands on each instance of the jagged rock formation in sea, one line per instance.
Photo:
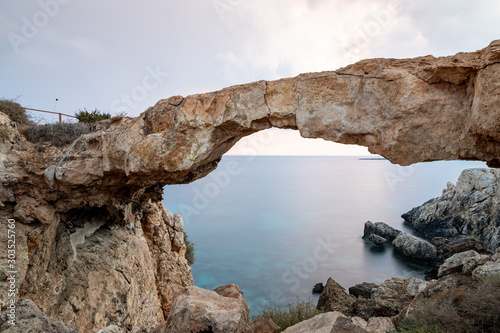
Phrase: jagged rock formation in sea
(95, 245)
(469, 208)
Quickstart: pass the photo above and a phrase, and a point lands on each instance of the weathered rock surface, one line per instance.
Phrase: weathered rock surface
(464, 261)
(264, 325)
(335, 298)
(113, 275)
(362, 289)
(380, 325)
(321, 323)
(393, 295)
(346, 325)
(415, 247)
(336, 322)
(200, 310)
(458, 245)
(230, 290)
(111, 329)
(29, 318)
(385, 300)
(469, 208)
(490, 268)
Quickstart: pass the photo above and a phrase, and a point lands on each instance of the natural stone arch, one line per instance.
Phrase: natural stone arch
(410, 110)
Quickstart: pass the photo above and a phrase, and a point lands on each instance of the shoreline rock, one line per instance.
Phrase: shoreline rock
(470, 208)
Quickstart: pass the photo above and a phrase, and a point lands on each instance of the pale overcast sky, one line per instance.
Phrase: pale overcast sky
(126, 55)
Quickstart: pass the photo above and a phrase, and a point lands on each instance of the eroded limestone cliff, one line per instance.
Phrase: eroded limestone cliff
(96, 246)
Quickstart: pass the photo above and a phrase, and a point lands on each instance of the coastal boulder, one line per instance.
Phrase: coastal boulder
(415, 247)
(362, 289)
(200, 310)
(379, 232)
(465, 260)
(336, 322)
(264, 325)
(490, 268)
(395, 294)
(335, 298)
(321, 323)
(230, 290)
(347, 325)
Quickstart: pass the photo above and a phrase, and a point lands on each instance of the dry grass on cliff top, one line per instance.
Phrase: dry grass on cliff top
(472, 310)
(58, 134)
(293, 314)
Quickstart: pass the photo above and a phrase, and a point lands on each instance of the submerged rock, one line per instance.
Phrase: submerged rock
(318, 288)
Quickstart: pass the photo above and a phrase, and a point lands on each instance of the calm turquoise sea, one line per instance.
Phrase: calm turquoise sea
(275, 226)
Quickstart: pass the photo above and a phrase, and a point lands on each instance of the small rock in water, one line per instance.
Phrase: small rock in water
(318, 288)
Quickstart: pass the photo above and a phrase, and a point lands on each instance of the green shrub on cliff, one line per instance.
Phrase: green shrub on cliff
(293, 314)
(85, 116)
(190, 257)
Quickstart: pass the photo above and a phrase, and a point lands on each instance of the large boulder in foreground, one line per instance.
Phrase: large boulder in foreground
(200, 310)
(264, 325)
(335, 298)
(336, 322)
(393, 295)
(469, 208)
